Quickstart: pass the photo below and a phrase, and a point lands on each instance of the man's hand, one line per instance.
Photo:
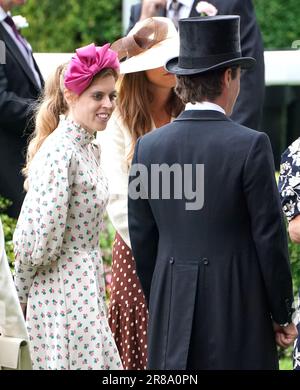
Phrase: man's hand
(151, 7)
(285, 335)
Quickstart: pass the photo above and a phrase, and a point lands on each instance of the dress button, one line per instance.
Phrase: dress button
(205, 261)
(171, 260)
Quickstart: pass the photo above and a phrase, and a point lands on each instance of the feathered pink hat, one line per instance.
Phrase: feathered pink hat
(86, 63)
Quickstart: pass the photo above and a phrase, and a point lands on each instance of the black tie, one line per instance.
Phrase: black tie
(175, 6)
(19, 37)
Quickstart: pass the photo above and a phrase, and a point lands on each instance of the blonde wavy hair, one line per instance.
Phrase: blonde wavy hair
(50, 106)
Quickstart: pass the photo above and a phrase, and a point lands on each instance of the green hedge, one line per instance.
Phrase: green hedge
(9, 225)
(63, 25)
(279, 22)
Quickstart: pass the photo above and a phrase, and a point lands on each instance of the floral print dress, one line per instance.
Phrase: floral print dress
(289, 188)
(59, 269)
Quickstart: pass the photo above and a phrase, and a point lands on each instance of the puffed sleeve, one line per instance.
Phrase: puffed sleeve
(41, 225)
(289, 181)
(115, 165)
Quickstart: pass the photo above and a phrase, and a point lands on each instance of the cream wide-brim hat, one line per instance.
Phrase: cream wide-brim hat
(158, 31)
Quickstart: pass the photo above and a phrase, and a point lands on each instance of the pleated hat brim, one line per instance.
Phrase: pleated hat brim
(155, 57)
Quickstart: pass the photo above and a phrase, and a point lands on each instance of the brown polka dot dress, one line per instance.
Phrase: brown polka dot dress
(128, 315)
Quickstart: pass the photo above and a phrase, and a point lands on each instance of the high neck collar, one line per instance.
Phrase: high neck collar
(79, 133)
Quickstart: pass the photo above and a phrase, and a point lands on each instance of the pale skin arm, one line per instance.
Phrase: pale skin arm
(294, 229)
(150, 8)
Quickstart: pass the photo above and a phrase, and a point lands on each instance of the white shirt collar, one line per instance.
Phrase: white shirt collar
(186, 3)
(3, 14)
(205, 106)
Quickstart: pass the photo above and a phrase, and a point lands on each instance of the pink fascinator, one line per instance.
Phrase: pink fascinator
(86, 63)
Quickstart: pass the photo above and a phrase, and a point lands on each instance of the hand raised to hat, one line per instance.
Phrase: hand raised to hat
(151, 7)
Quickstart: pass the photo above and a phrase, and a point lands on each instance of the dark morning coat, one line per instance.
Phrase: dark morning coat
(18, 92)
(213, 278)
(249, 105)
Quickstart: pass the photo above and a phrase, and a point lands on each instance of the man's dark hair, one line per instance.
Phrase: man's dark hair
(196, 88)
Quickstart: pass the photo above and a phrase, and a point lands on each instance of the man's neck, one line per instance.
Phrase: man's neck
(222, 102)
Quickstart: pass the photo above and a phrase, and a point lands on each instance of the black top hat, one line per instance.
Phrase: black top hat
(208, 43)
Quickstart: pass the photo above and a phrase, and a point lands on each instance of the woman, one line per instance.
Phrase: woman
(146, 100)
(289, 188)
(59, 270)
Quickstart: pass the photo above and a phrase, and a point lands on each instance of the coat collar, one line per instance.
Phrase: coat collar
(11, 46)
(202, 115)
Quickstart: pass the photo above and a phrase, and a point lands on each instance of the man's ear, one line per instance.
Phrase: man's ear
(227, 77)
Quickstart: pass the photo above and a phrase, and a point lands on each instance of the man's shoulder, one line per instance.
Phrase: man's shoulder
(157, 134)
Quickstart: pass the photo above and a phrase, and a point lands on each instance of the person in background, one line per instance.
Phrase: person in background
(12, 323)
(289, 189)
(247, 111)
(211, 256)
(146, 100)
(59, 269)
(20, 86)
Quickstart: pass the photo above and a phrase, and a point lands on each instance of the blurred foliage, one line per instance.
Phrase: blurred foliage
(279, 22)
(286, 360)
(62, 26)
(9, 225)
(294, 250)
(107, 236)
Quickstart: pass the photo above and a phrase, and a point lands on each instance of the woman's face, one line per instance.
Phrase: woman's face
(161, 78)
(93, 108)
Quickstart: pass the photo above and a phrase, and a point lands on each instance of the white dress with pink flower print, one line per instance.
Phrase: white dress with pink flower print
(59, 269)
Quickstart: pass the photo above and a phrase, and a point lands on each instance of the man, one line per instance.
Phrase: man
(216, 276)
(20, 85)
(248, 108)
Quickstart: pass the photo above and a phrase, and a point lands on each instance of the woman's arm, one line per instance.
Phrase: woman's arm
(42, 222)
(114, 162)
(294, 229)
